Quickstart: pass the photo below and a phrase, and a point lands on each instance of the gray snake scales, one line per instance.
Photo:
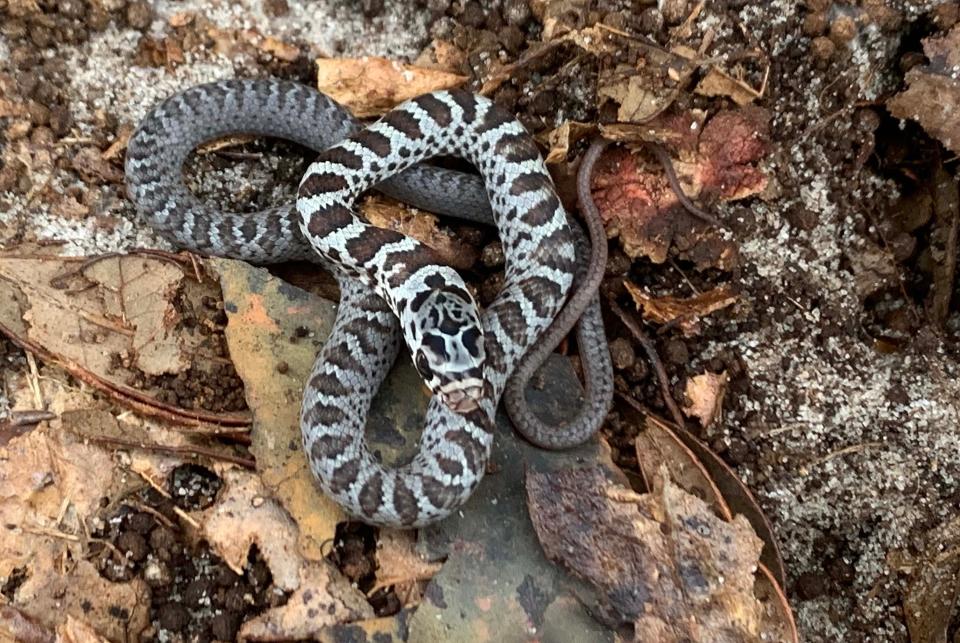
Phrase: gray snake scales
(391, 286)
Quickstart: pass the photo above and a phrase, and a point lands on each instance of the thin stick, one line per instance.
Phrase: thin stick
(191, 451)
(651, 351)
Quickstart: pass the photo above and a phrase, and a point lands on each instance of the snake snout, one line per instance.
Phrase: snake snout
(463, 397)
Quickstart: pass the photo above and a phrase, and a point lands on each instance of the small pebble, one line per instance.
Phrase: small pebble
(810, 586)
(139, 14)
(516, 12)
(676, 352)
(843, 29)
(492, 255)
(371, 8)
(622, 353)
(473, 15)
(276, 8)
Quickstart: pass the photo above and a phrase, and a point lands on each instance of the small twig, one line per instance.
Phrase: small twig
(26, 418)
(651, 351)
(156, 486)
(190, 451)
(52, 533)
(184, 516)
(853, 448)
(139, 506)
(683, 275)
(34, 380)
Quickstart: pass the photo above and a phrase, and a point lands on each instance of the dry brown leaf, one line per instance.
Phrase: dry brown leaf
(657, 446)
(263, 318)
(560, 139)
(934, 587)
(399, 564)
(51, 484)
(705, 394)
(700, 471)
(279, 49)
(113, 320)
(323, 599)
(245, 515)
(370, 86)
(422, 226)
(932, 97)
(686, 312)
(662, 560)
(719, 83)
(441, 55)
(75, 630)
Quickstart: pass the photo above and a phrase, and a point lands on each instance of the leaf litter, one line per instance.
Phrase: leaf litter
(816, 250)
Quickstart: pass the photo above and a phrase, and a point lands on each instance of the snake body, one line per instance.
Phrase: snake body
(391, 286)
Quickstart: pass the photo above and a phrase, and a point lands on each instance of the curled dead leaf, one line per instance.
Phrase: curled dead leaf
(370, 86)
(422, 226)
(932, 97)
(700, 471)
(705, 394)
(559, 140)
(719, 83)
(685, 312)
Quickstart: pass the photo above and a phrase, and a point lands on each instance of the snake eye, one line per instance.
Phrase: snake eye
(423, 365)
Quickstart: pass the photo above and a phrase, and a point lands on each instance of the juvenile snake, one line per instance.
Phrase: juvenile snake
(392, 286)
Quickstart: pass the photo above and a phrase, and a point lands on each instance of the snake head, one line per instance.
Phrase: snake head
(447, 347)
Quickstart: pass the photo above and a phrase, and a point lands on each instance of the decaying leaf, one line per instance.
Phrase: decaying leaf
(324, 598)
(370, 86)
(685, 312)
(274, 331)
(931, 596)
(51, 484)
(719, 83)
(663, 560)
(700, 471)
(559, 140)
(932, 97)
(656, 446)
(420, 225)
(130, 326)
(639, 205)
(705, 394)
(245, 515)
(401, 567)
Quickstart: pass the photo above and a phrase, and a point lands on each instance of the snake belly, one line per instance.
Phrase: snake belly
(392, 269)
